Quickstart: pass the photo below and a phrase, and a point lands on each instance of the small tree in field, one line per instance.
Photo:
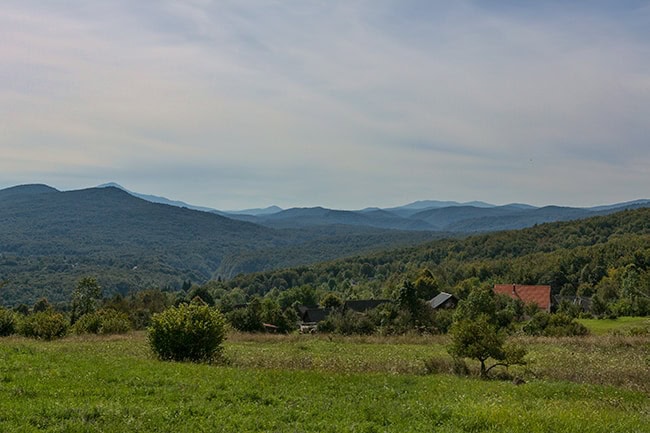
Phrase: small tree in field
(46, 325)
(481, 340)
(188, 332)
(7, 322)
(85, 297)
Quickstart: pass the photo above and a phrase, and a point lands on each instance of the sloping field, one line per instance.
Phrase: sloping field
(302, 384)
(623, 325)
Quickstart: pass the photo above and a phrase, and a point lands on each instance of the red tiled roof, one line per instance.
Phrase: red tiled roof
(540, 295)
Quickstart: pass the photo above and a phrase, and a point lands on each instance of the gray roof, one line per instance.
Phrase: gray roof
(315, 315)
(440, 299)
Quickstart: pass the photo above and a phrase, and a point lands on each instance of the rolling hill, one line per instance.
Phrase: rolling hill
(455, 218)
(49, 239)
(422, 215)
(607, 255)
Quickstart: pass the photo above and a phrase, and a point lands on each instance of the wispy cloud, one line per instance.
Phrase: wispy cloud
(345, 104)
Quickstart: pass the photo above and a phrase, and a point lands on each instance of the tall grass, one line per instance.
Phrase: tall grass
(114, 384)
(615, 360)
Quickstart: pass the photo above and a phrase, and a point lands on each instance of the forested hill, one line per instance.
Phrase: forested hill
(458, 218)
(599, 254)
(49, 239)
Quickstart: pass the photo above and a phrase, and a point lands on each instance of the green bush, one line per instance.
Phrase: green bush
(7, 322)
(188, 332)
(88, 324)
(115, 322)
(442, 320)
(106, 321)
(46, 325)
(554, 325)
(347, 323)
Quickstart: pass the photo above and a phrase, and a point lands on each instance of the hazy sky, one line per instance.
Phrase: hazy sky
(345, 104)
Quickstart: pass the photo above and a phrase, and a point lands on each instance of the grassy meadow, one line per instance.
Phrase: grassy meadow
(269, 383)
(620, 325)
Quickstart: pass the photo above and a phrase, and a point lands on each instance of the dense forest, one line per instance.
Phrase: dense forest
(603, 261)
(51, 240)
(604, 258)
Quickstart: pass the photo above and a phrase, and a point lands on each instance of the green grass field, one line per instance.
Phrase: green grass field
(621, 325)
(318, 384)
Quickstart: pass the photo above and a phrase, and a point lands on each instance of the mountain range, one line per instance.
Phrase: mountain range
(49, 238)
(424, 215)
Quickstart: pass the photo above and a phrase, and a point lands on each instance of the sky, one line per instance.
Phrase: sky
(236, 104)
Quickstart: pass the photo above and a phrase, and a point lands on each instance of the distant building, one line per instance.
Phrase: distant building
(540, 295)
(443, 300)
(312, 316)
(363, 305)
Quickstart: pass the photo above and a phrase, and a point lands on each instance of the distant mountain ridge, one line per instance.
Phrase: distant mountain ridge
(49, 239)
(421, 215)
(157, 199)
(457, 218)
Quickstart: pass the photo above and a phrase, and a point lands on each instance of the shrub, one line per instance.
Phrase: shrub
(636, 331)
(554, 325)
(537, 323)
(347, 323)
(115, 322)
(106, 321)
(45, 325)
(456, 366)
(88, 324)
(241, 320)
(442, 320)
(188, 332)
(561, 325)
(7, 322)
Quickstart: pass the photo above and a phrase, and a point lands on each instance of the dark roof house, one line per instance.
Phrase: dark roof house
(363, 305)
(540, 295)
(314, 315)
(443, 300)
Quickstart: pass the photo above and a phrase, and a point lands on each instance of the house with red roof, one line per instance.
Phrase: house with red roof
(540, 295)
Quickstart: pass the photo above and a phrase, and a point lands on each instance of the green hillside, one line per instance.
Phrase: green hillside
(606, 255)
(50, 239)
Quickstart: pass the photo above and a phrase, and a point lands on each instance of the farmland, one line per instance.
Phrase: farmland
(320, 383)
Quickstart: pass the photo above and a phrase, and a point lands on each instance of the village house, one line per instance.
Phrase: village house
(310, 317)
(540, 295)
(443, 300)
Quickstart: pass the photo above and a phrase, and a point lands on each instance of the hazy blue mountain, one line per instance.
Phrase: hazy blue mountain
(25, 191)
(411, 209)
(158, 199)
(427, 215)
(256, 211)
(448, 216)
(625, 205)
(452, 219)
(319, 216)
(521, 206)
(518, 219)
